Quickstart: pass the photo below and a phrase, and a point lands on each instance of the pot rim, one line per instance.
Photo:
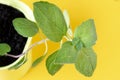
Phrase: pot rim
(28, 14)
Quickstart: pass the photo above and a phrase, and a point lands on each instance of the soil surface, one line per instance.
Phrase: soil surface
(8, 33)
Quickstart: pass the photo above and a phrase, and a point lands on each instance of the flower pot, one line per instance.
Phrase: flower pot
(7, 72)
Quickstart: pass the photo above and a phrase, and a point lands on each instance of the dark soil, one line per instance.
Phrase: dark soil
(8, 33)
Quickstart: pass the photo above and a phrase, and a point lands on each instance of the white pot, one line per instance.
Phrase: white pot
(6, 74)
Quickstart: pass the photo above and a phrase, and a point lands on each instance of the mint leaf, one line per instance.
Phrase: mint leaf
(4, 48)
(77, 43)
(25, 27)
(37, 61)
(87, 33)
(86, 61)
(67, 54)
(50, 19)
(50, 64)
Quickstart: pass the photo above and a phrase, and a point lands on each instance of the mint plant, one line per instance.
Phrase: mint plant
(55, 25)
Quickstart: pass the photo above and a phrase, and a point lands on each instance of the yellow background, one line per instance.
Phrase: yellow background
(106, 14)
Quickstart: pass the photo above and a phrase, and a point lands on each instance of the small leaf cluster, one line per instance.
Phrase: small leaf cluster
(51, 21)
(78, 51)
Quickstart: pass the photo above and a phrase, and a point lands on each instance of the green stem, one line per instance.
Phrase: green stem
(33, 45)
(46, 50)
(68, 37)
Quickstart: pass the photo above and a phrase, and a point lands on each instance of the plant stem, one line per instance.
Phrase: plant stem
(46, 50)
(33, 45)
(68, 37)
(70, 33)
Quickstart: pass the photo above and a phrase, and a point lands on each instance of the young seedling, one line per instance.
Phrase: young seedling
(55, 25)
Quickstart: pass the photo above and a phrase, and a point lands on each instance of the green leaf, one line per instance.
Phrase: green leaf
(86, 61)
(77, 43)
(50, 19)
(50, 64)
(37, 61)
(67, 54)
(25, 27)
(87, 33)
(4, 48)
